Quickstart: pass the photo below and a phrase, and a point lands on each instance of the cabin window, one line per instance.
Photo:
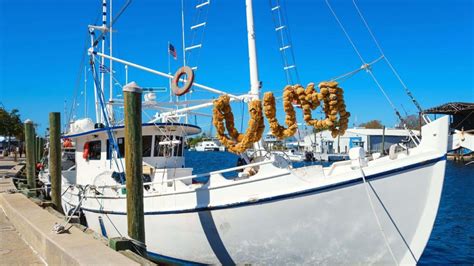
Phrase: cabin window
(162, 150)
(146, 142)
(121, 146)
(94, 150)
(172, 145)
(178, 148)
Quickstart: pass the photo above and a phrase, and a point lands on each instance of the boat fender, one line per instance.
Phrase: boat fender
(85, 153)
(392, 152)
(185, 70)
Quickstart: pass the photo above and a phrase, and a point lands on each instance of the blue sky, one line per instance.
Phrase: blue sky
(430, 42)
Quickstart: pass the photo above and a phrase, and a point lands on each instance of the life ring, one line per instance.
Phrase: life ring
(185, 70)
(67, 143)
(85, 153)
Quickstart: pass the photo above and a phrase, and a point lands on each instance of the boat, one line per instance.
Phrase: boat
(208, 145)
(378, 210)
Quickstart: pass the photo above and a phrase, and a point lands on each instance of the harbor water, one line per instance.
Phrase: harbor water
(452, 238)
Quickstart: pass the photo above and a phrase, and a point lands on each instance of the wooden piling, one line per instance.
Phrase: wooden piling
(30, 154)
(134, 163)
(40, 148)
(55, 158)
(36, 148)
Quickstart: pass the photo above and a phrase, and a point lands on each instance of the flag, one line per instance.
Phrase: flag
(103, 69)
(172, 51)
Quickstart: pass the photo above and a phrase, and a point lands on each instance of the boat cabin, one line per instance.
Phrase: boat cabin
(163, 149)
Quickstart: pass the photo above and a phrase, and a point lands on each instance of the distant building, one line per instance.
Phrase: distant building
(369, 139)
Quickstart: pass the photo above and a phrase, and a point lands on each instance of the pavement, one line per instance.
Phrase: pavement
(13, 249)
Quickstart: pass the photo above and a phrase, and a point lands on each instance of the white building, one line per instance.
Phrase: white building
(369, 139)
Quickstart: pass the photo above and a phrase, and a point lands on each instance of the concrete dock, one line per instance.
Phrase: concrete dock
(26, 235)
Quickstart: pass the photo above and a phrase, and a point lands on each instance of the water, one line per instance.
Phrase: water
(452, 238)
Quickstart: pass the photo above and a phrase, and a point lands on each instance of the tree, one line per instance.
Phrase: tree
(11, 124)
(372, 124)
(411, 121)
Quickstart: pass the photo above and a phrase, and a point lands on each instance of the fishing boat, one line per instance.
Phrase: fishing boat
(360, 211)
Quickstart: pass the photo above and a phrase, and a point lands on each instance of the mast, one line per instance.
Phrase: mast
(253, 65)
(111, 73)
(102, 61)
(96, 100)
(85, 91)
(184, 50)
(254, 82)
(182, 32)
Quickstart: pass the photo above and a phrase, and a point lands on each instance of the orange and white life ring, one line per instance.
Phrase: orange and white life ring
(185, 70)
(85, 153)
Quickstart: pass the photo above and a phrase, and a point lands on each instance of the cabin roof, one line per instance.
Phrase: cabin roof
(451, 108)
(99, 130)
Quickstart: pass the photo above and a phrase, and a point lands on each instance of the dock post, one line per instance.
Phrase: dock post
(132, 95)
(55, 158)
(40, 149)
(30, 156)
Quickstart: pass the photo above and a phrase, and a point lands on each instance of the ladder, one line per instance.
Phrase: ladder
(284, 41)
(197, 29)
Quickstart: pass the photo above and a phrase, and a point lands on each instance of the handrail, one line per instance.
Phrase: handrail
(197, 175)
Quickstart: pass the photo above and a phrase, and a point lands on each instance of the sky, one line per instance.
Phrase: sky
(429, 42)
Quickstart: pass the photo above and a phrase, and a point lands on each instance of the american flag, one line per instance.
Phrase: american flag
(172, 51)
(103, 69)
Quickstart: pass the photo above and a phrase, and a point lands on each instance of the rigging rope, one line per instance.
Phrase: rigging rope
(106, 118)
(363, 61)
(408, 92)
(375, 214)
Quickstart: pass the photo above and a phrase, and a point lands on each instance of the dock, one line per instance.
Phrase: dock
(27, 237)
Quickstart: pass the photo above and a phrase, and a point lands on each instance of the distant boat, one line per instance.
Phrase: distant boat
(209, 145)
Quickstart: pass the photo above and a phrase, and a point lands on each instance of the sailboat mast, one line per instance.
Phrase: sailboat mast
(253, 65)
(254, 81)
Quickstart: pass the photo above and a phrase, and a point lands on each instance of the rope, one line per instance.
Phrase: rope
(106, 215)
(352, 73)
(363, 61)
(110, 133)
(61, 228)
(345, 32)
(375, 214)
(386, 59)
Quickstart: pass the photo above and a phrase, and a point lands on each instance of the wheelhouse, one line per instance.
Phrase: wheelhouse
(163, 147)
